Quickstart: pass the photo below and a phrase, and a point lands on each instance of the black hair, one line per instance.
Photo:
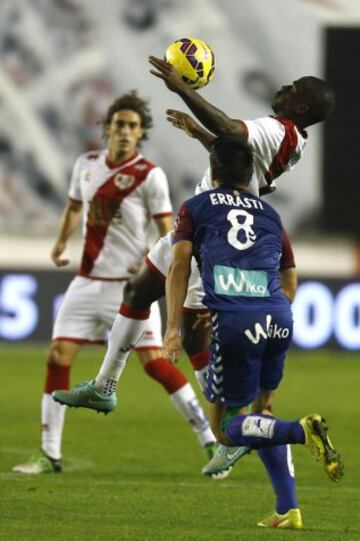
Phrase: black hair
(232, 160)
(132, 102)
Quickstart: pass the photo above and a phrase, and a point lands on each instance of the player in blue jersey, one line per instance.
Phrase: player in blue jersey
(237, 241)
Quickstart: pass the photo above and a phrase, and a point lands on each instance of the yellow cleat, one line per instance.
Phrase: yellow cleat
(291, 520)
(320, 446)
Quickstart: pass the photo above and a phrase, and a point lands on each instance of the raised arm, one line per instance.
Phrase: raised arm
(68, 224)
(184, 122)
(210, 116)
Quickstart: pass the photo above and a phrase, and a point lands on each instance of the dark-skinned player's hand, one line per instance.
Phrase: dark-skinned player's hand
(182, 121)
(165, 71)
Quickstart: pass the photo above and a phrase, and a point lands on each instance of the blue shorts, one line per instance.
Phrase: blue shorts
(248, 351)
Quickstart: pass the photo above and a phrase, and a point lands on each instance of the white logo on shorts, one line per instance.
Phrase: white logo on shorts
(271, 331)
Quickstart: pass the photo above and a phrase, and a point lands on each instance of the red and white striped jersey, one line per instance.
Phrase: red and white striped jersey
(118, 205)
(277, 146)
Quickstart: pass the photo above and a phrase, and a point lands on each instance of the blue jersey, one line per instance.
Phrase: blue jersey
(237, 241)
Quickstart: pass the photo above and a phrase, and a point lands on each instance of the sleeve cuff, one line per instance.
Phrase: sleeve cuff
(162, 215)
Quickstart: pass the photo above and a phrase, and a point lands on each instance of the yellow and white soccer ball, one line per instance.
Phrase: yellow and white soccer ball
(193, 60)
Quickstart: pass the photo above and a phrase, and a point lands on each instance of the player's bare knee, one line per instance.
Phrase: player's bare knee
(136, 296)
(141, 291)
(57, 356)
(129, 293)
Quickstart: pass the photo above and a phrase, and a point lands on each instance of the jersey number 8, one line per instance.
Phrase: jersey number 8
(248, 235)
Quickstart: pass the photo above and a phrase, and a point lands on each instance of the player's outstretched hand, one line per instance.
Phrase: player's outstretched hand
(165, 71)
(172, 345)
(203, 320)
(183, 121)
(56, 253)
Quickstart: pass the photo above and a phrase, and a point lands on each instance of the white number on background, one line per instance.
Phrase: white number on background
(19, 312)
(245, 226)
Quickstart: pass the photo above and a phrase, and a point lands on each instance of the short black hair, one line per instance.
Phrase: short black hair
(231, 160)
(132, 102)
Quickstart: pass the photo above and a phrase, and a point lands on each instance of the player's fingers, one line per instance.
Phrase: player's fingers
(170, 354)
(157, 74)
(174, 356)
(200, 323)
(169, 114)
(175, 113)
(180, 123)
(156, 59)
(196, 325)
(61, 262)
(179, 120)
(175, 122)
(202, 320)
(161, 65)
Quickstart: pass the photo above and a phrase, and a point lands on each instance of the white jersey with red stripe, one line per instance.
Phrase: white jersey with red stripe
(277, 146)
(118, 205)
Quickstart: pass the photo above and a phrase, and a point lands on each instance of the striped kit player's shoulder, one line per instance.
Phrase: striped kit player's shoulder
(278, 145)
(142, 164)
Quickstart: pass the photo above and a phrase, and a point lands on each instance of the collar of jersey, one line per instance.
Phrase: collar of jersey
(304, 133)
(112, 165)
(222, 188)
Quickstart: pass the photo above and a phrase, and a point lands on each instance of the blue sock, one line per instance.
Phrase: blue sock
(278, 463)
(257, 430)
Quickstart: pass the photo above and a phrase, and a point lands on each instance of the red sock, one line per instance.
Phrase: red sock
(200, 360)
(57, 377)
(165, 373)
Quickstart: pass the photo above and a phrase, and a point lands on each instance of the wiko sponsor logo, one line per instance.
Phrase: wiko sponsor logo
(241, 283)
(271, 331)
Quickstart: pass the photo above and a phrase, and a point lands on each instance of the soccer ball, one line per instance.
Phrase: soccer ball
(193, 60)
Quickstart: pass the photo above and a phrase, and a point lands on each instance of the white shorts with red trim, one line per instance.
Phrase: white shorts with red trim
(160, 260)
(88, 311)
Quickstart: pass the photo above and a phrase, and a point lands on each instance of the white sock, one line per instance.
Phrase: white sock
(52, 423)
(201, 376)
(185, 400)
(125, 334)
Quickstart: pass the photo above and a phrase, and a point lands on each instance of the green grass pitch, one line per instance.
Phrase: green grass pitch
(135, 474)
